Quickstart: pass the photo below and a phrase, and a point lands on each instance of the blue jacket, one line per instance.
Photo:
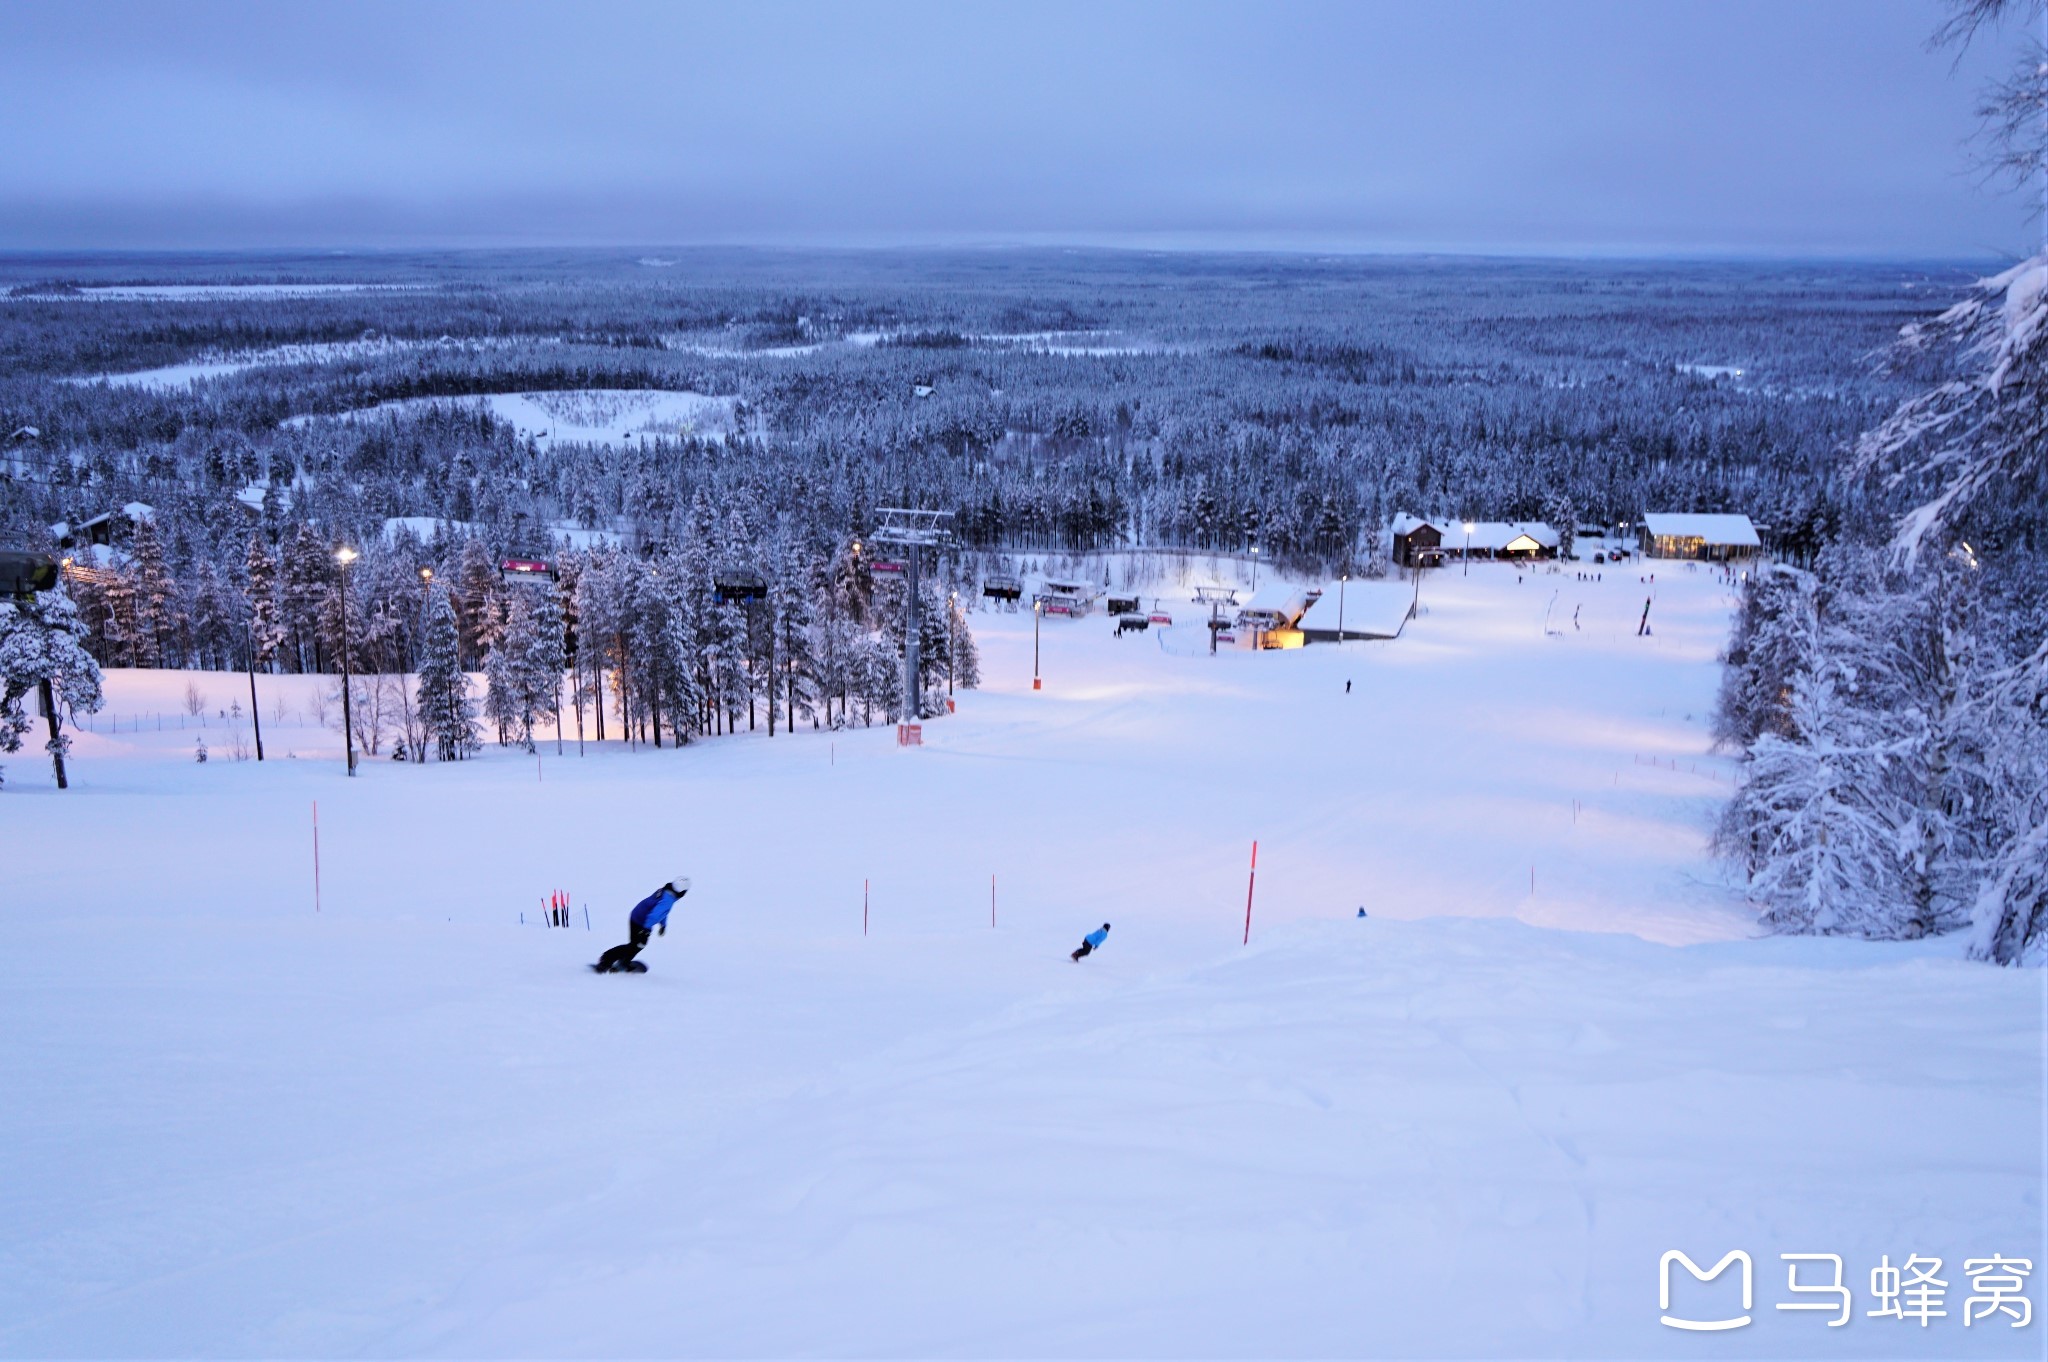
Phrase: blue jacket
(652, 911)
(1096, 938)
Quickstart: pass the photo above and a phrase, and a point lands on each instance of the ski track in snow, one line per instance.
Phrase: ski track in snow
(1467, 1125)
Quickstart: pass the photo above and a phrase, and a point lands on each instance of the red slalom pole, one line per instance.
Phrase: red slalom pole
(316, 855)
(1249, 886)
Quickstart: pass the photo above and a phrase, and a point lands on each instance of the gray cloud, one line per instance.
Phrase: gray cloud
(1572, 125)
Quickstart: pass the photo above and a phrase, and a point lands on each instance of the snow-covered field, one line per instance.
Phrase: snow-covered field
(215, 364)
(186, 293)
(1468, 1124)
(581, 415)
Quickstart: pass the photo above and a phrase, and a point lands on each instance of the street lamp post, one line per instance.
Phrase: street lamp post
(952, 601)
(1255, 567)
(1037, 611)
(1468, 549)
(344, 556)
(255, 711)
(1340, 607)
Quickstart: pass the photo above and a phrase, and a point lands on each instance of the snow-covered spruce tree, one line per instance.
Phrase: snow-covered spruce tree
(2010, 731)
(596, 626)
(265, 633)
(159, 612)
(545, 659)
(1972, 449)
(681, 665)
(447, 712)
(504, 702)
(966, 658)
(1822, 819)
(479, 598)
(789, 601)
(42, 641)
(1776, 633)
(307, 583)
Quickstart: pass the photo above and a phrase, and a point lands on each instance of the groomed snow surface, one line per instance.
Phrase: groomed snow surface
(1467, 1125)
(614, 416)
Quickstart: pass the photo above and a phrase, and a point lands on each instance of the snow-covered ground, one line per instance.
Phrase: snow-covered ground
(581, 415)
(185, 293)
(216, 364)
(1469, 1124)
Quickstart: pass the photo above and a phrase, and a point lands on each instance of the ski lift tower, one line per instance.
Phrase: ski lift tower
(1216, 597)
(913, 531)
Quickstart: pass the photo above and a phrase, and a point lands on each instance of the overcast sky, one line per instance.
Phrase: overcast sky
(1639, 126)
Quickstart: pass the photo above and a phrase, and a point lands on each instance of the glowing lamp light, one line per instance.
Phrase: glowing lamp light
(345, 556)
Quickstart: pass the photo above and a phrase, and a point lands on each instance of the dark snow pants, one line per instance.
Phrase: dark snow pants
(1087, 948)
(618, 956)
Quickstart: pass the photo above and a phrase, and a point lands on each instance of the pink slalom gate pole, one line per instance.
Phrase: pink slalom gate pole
(1249, 886)
(316, 855)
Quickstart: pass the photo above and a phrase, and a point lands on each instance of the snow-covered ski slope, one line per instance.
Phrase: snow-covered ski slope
(1468, 1125)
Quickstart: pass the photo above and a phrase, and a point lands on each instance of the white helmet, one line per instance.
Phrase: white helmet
(681, 884)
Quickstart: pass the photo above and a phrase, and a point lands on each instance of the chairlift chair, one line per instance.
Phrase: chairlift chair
(23, 574)
(740, 586)
(532, 572)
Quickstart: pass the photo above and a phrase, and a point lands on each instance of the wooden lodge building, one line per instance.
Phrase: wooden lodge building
(1427, 543)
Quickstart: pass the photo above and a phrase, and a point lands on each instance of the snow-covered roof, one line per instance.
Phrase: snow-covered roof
(133, 511)
(1488, 536)
(1375, 608)
(1712, 529)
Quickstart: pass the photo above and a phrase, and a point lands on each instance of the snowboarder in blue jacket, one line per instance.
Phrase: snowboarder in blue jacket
(1092, 942)
(648, 918)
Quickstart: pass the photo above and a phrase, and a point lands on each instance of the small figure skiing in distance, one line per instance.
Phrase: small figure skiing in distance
(648, 919)
(1092, 942)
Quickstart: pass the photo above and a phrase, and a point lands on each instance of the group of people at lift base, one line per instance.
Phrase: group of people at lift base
(649, 919)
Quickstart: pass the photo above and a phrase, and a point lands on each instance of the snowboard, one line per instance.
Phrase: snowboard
(629, 967)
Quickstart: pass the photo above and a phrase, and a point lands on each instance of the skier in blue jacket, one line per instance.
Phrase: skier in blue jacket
(1092, 942)
(648, 919)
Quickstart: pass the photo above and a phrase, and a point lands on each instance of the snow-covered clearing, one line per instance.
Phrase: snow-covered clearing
(188, 293)
(221, 365)
(1467, 1125)
(580, 415)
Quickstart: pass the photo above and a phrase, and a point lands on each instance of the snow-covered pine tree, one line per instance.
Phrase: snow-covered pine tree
(682, 667)
(447, 712)
(1775, 639)
(504, 691)
(966, 658)
(265, 634)
(43, 641)
(158, 610)
(545, 659)
(479, 598)
(1823, 818)
(596, 626)
(789, 602)
(1973, 447)
(308, 573)
(653, 671)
